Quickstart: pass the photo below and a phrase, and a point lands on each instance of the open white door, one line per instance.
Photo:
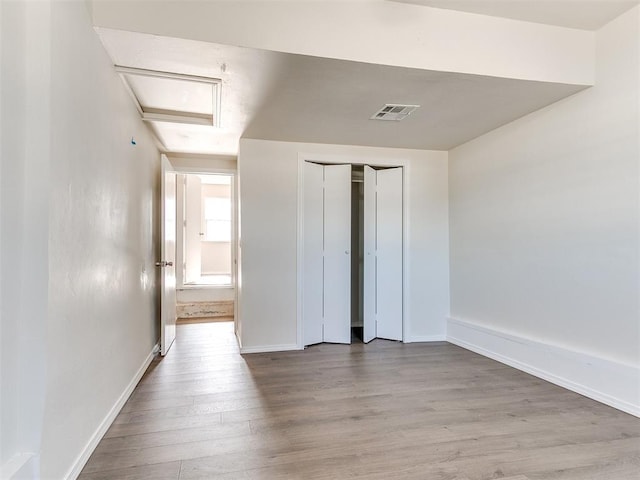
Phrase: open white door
(337, 253)
(168, 257)
(193, 229)
(389, 253)
(313, 283)
(369, 267)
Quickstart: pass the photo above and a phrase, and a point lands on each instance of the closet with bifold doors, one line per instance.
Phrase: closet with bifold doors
(352, 253)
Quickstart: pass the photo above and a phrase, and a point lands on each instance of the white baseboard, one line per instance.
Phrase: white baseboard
(91, 445)
(612, 383)
(426, 338)
(269, 348)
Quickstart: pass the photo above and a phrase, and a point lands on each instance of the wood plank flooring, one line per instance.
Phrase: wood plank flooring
(381, 411)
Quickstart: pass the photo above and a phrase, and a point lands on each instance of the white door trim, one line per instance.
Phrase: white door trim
(353, 160)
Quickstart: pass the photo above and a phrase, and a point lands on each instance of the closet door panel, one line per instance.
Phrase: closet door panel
(389, 253)
(337, 255)
(369, 268)
(312, 286)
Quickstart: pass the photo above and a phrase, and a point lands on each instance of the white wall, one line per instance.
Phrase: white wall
(545, 217)
(223, 191)
(216, 258)
(102, 243)
(25, 166)
(193, 163)
(79, 212)
(268, 174)
(387, 33)
(11, 32)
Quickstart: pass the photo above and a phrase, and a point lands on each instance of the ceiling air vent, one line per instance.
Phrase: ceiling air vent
(393, 111)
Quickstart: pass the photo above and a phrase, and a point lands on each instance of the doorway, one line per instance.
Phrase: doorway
(205, 276)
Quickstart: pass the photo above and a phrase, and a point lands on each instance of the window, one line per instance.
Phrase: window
(217, 219)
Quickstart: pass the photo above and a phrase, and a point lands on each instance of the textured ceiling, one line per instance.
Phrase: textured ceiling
(287, 97)
(582, 14)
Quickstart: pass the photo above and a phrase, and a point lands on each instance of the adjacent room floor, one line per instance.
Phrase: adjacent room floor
(385, 410)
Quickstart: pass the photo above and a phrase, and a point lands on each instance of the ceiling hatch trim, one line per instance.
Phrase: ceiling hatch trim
(154, 95)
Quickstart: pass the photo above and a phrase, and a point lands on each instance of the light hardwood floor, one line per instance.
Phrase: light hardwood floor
(384, 410)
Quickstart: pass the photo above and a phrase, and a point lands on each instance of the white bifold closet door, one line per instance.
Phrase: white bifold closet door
(313, 228)
(382, 302)
(327, 256)
(369, 263)
(337, 253)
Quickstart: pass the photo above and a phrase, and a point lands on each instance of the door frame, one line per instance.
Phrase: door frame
(373, 161)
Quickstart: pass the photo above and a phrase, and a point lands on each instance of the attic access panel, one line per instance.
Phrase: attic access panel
(172, 97)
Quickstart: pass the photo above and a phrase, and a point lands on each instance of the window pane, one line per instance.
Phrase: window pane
(218, 231)
(217, 208)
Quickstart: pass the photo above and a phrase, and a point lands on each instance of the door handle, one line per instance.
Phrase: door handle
(164, 264)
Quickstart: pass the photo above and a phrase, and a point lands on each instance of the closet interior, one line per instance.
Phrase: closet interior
(357, 252)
